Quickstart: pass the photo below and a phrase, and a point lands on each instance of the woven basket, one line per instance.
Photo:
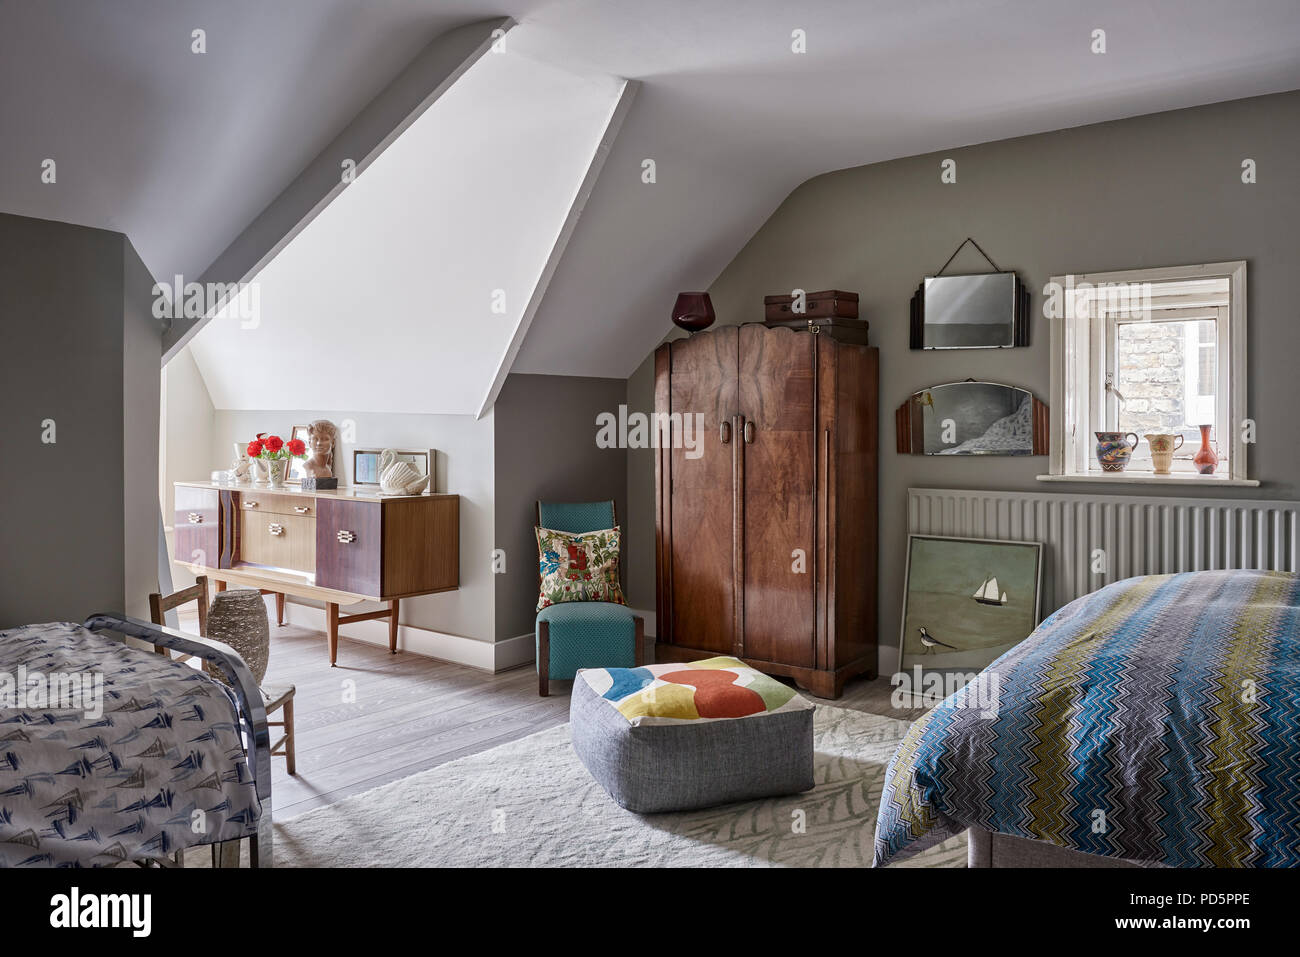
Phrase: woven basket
(238, 618)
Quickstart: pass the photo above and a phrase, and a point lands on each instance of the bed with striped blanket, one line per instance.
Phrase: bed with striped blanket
(1156, 720)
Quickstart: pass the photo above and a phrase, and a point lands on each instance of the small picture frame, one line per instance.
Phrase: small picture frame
(365, 463)
(966, 602)
(296, 465)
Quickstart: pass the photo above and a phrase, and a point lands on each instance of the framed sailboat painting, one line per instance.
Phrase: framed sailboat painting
(966, 602)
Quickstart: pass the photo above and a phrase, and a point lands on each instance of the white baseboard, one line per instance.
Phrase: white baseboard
(481, 655)
(516, 651)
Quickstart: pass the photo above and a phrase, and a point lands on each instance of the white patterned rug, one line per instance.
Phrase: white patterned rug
(531, 803)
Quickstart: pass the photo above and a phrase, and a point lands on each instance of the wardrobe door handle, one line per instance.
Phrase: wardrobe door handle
(724, 432)
(749, 433)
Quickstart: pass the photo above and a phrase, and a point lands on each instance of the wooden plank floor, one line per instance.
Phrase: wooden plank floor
(378, 717)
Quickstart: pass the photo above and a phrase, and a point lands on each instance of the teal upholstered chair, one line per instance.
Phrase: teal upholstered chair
(583, 634)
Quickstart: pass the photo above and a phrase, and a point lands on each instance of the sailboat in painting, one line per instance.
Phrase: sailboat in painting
(988, 594)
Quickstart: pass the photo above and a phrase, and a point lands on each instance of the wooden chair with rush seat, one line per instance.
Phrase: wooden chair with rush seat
(275, 697)
(583, 634)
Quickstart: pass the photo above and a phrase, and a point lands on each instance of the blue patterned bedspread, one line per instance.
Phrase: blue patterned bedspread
(1155, 720)
(159, 765)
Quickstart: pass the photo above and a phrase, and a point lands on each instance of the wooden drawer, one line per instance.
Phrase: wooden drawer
(349, 546)
(258, 501)
(280, 541)
(197, 522)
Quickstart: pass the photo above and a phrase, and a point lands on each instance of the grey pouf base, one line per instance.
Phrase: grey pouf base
(653, 768)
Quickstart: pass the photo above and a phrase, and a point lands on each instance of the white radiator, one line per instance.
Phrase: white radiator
(1092, 540)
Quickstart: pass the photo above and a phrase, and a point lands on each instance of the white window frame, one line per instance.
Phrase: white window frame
(1078, 365)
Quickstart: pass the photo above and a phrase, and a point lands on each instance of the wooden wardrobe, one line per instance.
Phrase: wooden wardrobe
(766, 514)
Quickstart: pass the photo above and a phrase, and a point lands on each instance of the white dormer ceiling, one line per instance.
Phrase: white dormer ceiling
(386, 301)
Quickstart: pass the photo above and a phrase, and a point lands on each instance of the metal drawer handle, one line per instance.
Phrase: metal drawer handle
(345, 537)
(250, 505)
(302, 509)
(195, 518)
(275, 528)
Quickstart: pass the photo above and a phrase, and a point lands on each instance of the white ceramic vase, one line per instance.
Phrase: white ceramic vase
(275, 472)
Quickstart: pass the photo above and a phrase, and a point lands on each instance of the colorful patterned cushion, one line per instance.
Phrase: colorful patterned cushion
(715, 689)
(679, 736)
(578, 567)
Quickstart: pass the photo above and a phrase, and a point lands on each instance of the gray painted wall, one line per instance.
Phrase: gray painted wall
(546, 449)
(1152, 191)
(141, 404)
(78, 518)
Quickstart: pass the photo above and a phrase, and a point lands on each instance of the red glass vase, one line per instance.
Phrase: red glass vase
(1206, 459)
(693, 311)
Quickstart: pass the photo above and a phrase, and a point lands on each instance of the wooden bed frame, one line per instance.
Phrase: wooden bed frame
(989, 849)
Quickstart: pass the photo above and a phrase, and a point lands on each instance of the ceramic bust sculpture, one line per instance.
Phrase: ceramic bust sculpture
(322, 441)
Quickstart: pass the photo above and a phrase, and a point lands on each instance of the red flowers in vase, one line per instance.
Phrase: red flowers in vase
(275, 453)
(273, 447)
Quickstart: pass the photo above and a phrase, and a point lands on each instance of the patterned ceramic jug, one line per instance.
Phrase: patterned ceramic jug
(1163, 446)
(1113, 451)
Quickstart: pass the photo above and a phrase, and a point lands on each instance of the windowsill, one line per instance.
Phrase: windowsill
(1150, 478)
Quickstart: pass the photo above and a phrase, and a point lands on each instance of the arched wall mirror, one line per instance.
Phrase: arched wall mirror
(972, 418)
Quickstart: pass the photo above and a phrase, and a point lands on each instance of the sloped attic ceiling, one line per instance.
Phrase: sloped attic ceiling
(406, 293)
(735, 120)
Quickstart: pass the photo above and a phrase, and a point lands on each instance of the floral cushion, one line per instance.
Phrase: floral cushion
(578, 567)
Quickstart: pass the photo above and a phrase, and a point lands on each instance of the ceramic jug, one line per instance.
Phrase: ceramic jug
(1163, 446)
(1113, 451)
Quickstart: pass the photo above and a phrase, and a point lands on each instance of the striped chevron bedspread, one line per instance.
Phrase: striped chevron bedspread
(1155, 720)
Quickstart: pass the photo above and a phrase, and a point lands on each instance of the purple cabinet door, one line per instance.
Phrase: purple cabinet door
(349, 546)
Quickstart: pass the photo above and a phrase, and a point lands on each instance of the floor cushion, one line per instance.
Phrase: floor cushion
(674, 737)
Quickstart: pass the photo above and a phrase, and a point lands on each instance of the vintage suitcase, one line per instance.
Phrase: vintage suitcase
(827, 304)
(841, 330)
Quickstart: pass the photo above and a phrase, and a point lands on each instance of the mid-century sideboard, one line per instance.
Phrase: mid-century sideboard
(339, 547)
